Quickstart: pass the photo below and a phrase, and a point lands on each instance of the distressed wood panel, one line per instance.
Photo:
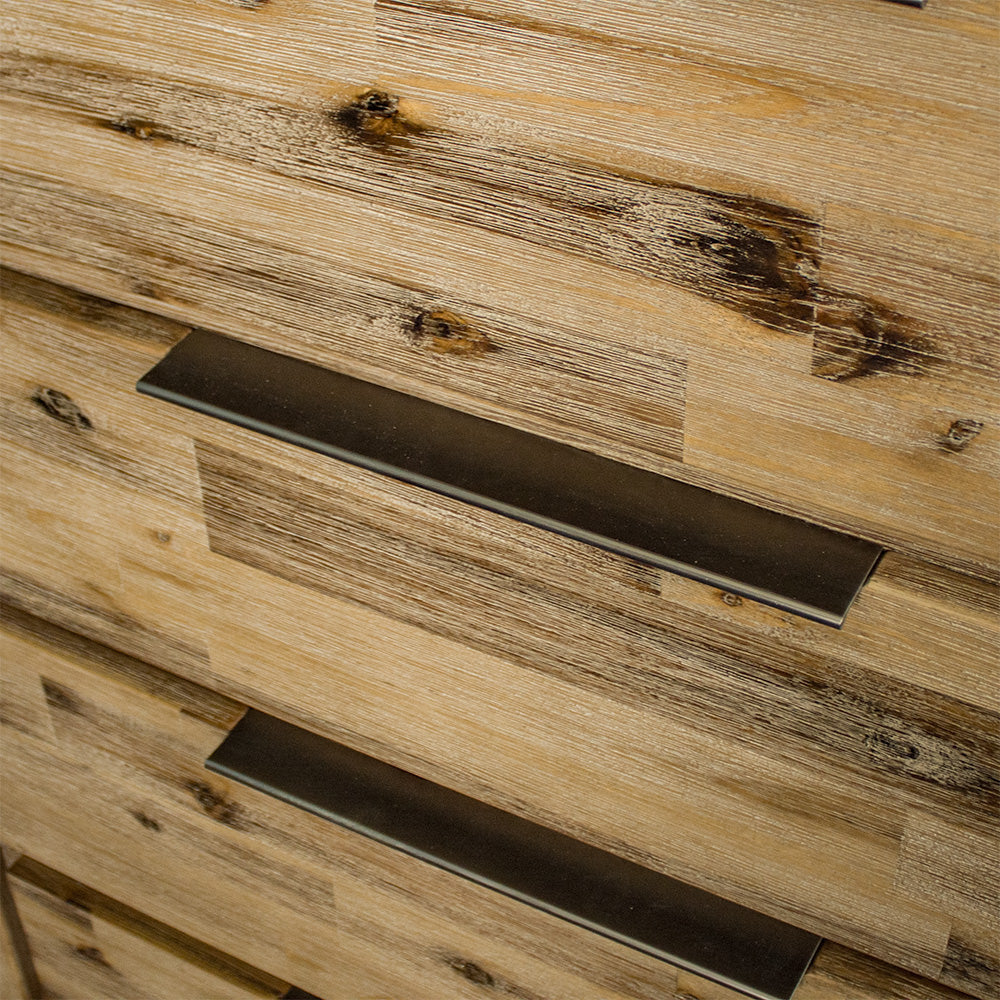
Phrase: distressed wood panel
(18, 980)
(784, 97)
(518, 667)
(87, 945)
(285, 48)
(910, 415)
(445, 937)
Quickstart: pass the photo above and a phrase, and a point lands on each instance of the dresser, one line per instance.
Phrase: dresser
(500, 500)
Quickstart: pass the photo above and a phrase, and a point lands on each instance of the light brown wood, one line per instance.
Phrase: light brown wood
(612, 305)
(18, 978)
(579, 689)
(86, 945)
(752, 248)
(335, 913)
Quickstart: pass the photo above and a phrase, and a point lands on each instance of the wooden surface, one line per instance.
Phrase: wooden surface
(754, 251)
(86, 945)
(18, 979)
(750, 248)
(843, 780)
(120, 744)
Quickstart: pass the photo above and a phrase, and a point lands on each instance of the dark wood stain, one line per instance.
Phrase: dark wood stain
(58, 405)
(441, 331)
(855, 338)
(137, 128)
(491, 983)
(971, 967)
(95, 955)
(471, 971)
(216, 805)
(375, 119)
(61, 698)
(146, 821)
(930, 749)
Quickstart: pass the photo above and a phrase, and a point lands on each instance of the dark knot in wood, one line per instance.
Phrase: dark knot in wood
(58, 405)
(376, 119)
(443, 332)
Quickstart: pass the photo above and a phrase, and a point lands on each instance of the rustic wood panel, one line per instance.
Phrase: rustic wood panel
(251, 45)
(87, 945)
(145, 818)
(520, 668)
(18, 979)
(783, 97)
(655, 318)
(339, 915)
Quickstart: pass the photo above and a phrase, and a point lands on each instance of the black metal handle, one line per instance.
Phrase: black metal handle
(728, 543)
(603, 892)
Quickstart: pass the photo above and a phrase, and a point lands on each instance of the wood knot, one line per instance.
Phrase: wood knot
(216, 805)
(138, 128)
(444, 332)
(58, 405)
(960, 435)
(856, 337)
(471, 971)
(147, 821)
(376, 119)
(733, 600)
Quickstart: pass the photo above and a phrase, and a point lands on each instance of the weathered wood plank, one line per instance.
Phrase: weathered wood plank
(612, 377)
(469, 673)
(328, 909)
(87, 945)
(784, 97)
(251, 45)
(18, 978)
(397, 924)
(393, 556)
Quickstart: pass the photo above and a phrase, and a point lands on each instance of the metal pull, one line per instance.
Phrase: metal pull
(658, 915)
(736, 546)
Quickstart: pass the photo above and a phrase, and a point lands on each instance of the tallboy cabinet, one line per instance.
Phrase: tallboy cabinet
(750, 249)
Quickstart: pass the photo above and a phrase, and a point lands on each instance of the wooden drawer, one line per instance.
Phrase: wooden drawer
(84, 944)
(753, 249)
(825, 773)
(117, 746)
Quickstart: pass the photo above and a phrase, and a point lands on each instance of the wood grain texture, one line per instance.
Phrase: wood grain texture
(784, 97)
(581, 690)
(18, 978)
(744, 337)
(349, 918)
(87, 945)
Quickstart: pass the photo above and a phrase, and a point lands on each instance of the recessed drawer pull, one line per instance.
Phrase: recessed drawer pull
(661, 916)
(728, 543)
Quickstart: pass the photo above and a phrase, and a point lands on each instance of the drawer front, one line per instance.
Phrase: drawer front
(117, 747)
(84, 944)
(825, 773)
(750, 248)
